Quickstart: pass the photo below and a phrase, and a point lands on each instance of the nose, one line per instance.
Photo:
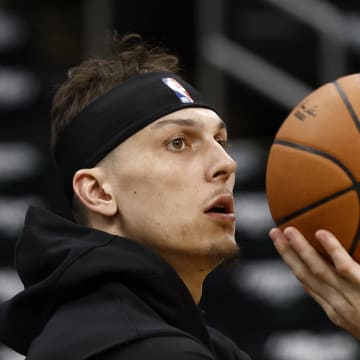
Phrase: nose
(222, 165)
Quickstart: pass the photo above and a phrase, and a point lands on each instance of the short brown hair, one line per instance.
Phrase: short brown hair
(131, 55)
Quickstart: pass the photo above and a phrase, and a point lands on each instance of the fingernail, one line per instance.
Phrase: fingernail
(288, 230)
(272, 230)
(272, 234)
(321, 235)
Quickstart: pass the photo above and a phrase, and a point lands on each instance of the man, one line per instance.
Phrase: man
(145, 166)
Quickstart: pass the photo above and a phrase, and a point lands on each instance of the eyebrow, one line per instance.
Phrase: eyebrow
(184, 122)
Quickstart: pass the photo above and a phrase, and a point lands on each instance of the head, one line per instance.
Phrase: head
(169, 184)
(94, 77)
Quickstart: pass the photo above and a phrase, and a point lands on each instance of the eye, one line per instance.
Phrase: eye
(177, 144)
(222, 142)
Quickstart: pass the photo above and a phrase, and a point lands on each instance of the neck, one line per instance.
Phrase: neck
(193, 274)
(194, 284)
(192, 269)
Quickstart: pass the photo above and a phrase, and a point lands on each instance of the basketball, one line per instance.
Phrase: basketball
(313, 168)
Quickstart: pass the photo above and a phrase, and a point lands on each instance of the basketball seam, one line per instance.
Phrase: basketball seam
(355, 119)
(355, 186)
(318, 152)
(347, 103)
(314, 205)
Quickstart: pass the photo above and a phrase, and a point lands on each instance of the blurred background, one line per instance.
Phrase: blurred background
(254, 60)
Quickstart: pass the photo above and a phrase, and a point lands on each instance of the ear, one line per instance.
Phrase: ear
(90, 187)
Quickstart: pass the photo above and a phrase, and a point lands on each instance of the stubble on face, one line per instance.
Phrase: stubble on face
(222, 254)
(222, 257)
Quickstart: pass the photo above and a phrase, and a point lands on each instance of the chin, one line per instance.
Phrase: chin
(226, 251)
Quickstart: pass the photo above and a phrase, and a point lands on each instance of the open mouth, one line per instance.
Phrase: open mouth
(224, 204)
(218, 209)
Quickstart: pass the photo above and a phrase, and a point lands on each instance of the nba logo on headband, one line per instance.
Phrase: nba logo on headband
(178, 89)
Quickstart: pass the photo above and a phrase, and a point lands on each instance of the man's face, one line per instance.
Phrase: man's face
(173, 184)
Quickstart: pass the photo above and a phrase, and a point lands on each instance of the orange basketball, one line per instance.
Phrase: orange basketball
(313, 169)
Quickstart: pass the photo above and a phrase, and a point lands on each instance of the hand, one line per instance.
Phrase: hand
(335, 286)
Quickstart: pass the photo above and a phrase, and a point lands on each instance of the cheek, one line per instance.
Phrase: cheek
(157, 189)
(148, 187)
(153, 176)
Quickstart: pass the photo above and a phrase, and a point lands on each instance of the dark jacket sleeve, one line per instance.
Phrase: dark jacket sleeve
(225, 348)
(158, 348)
(173, 348)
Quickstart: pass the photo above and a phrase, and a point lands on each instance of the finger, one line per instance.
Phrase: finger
(306, 264)
(283, 247)
(324, 279)
(330, 311)
(341, 313)
(279, 239)
(334, 294)
(320, 268)
(345, 265)
(291, 258)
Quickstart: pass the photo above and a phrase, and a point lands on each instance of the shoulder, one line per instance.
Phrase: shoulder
(159, 348)
(175, 348)
(225, 348)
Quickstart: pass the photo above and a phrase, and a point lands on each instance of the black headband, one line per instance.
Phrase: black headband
(118, 114)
